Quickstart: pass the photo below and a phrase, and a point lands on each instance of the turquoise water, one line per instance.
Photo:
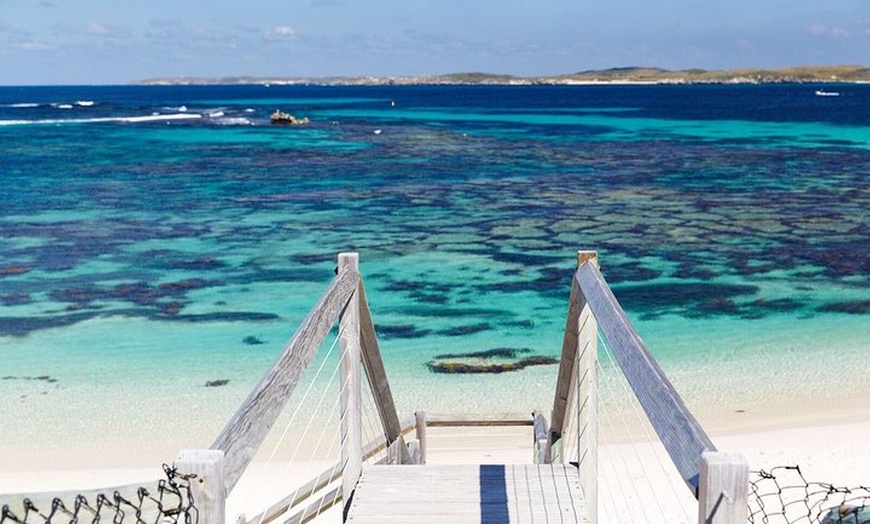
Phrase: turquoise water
(143, 254)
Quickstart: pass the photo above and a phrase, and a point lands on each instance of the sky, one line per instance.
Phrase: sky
(118, 41)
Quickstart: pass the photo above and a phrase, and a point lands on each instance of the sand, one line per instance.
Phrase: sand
(835, 452)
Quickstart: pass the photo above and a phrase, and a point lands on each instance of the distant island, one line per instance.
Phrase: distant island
(619, 75)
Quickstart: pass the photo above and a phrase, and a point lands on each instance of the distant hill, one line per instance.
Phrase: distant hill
(626, 75)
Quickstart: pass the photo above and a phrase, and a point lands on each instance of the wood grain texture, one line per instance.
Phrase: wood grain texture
(682, 435)
(587, 407)
(207, 487)
(564, 384)
(245, 432)
(420, 427)
(541, 439)
(469, 493)
(478, 421)
(377, 377)
(724, 490)
(350, 399)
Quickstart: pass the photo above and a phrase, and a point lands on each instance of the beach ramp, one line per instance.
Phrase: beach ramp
(485, 493)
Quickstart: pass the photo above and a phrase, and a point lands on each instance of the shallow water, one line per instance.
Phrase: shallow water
(147, 248)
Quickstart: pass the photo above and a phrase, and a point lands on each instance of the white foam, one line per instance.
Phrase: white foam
(64, 106)
(124, 119)
(85, 103)
(21, 105)
(234, 122)
(216, 114)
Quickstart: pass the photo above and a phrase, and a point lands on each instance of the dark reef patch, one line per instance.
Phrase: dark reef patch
(431, 298)
(495, 360)
(309, 259)
(22, 326)
(139, 293)
(217, 383)
(631, 272)
(486, 353)
(201, 263)
(401, 331)
(652, 297)
(465, 368)
(852, 307)
(252, 340)
(522, 324)
(459, 331)
(692, 271)
(526, 259)
(19, 269)
(224, 316)
(16, 299)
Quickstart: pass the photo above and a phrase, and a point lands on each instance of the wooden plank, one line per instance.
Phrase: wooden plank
(587, 408)
(420, 426)
(468, 493)
(564, 382)
(541, 439)
(680, 433)
(495, 421)
(350, 400)
(207, 488)
(377, 377)
(724, 489)
(245, 432)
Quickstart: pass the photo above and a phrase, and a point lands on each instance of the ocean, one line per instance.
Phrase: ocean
(155, 239)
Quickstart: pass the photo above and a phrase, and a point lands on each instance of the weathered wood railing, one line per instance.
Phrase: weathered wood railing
(220, 468)
(718, 480)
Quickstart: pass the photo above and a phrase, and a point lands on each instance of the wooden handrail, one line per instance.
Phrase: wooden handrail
(245, 432)
(682, 436)
(456, 422)
(377, 377)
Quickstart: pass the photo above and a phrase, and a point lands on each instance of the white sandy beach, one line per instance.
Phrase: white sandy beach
(834, 452)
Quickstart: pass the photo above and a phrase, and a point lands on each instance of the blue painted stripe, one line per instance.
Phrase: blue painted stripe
(493, 495)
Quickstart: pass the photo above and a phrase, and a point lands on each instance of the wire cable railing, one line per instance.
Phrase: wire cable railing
(718, 480)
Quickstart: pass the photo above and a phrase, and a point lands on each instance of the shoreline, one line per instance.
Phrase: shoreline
(613, 76)
(22, 473)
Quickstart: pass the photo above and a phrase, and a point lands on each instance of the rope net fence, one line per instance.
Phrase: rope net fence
(171, 502)
(783, 496)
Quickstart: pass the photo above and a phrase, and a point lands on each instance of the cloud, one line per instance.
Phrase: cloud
(823, 30)
(282, 32)
(95, 28)
(31, 45)
(103, 30)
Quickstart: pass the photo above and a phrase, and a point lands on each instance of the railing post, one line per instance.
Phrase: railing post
(351, 422)
(208, 488)
(541, 440)
(724, 488)
(420, 424)
(586, 371)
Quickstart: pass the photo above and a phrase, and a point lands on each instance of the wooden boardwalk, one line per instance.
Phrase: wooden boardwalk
(468, 493)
